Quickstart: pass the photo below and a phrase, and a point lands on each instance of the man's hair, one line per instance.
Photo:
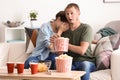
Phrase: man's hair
(72, 5)
(62, 16)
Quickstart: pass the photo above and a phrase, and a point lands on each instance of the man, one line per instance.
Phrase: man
(80, 38)
(43, 47)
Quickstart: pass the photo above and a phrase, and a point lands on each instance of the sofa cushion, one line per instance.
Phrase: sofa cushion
(93, 47)
(97, 36)
(31, 35)
(115, 41)
(101, 75)
(4, 50)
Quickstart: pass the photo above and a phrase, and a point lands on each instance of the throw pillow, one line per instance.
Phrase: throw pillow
(115, 41)
(103, 52)
(31, 37)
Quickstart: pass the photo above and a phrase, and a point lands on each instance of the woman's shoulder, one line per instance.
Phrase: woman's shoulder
(45, 26)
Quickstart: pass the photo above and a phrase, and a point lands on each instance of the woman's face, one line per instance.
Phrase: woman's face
(63, 25)
(72, 14)
(58, 23)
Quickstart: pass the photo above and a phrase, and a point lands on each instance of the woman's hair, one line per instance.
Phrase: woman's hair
(62, 16)
(72, 5)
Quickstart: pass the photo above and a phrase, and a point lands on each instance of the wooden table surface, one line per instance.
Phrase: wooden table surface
(52, 75)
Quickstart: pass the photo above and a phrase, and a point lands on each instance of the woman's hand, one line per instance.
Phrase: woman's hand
(52, 38)
(63, 27)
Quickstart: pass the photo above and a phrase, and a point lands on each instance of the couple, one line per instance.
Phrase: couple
(67, 24)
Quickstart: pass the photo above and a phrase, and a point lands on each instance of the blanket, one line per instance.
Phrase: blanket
(106, 31)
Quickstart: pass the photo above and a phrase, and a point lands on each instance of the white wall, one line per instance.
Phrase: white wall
(94, 12)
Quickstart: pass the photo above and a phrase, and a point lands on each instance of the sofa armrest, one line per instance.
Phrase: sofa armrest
(4, 49)
(115, 65)
(17, 52)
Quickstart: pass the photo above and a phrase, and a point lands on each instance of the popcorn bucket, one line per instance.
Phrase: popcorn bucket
(63, 64)
(61, 44)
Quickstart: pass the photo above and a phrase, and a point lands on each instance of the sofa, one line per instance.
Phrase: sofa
(16, 52)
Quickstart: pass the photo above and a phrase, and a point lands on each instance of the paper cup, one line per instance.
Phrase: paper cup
(34, 68)
(20, 67)
(10, 67)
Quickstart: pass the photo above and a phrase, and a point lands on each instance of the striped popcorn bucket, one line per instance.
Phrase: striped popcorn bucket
(61, 44)
(63, 64)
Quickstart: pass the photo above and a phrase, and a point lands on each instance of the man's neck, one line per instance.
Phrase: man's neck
(74, 26)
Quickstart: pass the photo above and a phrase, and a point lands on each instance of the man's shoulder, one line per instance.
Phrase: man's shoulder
(85, 25)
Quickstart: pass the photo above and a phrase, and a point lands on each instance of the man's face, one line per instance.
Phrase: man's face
(72, 14)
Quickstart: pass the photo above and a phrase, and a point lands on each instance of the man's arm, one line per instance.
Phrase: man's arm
(79, 49)
(84, 43)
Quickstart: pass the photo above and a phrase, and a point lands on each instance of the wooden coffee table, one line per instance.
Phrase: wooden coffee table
(52, 75)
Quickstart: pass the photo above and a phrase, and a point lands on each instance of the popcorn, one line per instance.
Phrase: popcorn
(42, 67)
(63, 56)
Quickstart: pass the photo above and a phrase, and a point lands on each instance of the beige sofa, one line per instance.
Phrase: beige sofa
(16, 52)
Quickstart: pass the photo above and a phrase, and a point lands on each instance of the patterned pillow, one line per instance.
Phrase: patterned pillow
(31, 36)
(103, 52)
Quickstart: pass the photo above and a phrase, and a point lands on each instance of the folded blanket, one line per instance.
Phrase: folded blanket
(107, 31)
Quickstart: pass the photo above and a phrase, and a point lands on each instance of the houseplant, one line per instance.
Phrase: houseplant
(33, 18)
(33, 15)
